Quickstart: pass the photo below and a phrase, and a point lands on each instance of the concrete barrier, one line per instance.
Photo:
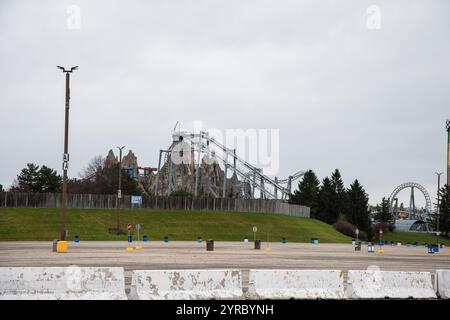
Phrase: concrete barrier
(376, 284)
(62, 283)
(299, 284)
(185, 284)
(442, 283)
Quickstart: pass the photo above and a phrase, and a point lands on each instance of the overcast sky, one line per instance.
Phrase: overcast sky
(371, 102)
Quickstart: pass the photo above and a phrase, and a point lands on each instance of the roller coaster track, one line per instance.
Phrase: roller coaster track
(249, 173)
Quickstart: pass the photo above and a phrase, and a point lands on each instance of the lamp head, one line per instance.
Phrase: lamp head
(71, 69)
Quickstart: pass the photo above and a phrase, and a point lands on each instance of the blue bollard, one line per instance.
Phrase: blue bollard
(76, 239)
(145, 238)
(283, 240)
(130, 239)
(166, 239)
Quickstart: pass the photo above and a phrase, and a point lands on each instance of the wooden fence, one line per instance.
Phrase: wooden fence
(100, 201)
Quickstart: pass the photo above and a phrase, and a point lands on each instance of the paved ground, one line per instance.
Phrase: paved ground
(193, 255)
(184, 254)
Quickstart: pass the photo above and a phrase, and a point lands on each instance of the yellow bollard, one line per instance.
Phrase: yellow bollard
(129, 249)
(61, 247)
(138, 247)
(380, 251)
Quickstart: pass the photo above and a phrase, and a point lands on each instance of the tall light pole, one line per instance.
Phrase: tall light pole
(447, 125)
(437, 220)
(119, 191)
(66, 152)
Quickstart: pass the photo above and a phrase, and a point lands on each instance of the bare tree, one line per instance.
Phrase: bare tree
(94, 166)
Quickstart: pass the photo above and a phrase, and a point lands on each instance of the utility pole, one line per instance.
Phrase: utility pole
(119, 191)
(437, 220)
(447, 125)
(66, 152)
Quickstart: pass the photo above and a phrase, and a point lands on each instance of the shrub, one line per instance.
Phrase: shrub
(345, 227)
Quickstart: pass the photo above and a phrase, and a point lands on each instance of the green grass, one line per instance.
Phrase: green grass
(412, 237)
(90, 224)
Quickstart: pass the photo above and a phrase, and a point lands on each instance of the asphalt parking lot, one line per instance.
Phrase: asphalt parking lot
(193, 255)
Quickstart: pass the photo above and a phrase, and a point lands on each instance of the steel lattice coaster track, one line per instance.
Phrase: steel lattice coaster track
(269, 188)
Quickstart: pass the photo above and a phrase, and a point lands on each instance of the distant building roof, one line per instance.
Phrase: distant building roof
(409, 225)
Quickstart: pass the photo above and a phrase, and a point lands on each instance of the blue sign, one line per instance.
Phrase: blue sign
(136, 199)
(130, 239)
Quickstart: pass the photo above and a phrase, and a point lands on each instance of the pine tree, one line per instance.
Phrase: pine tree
(383, 212)
(27, 179)
(339, 200)
(307, 192)
(325, 207)
(444, 210)
(357, 211)
(48, 180)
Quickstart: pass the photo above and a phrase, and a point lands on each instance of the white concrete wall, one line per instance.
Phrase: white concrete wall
(185, 284)
(442, 283)
(376, 284)
(299, 284)
(62, 283)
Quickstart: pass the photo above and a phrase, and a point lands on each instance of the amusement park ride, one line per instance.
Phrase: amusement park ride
(186, 146)
(413, 213)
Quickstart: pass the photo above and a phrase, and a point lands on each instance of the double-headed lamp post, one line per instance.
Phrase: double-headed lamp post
(437, 212)
(66, 152)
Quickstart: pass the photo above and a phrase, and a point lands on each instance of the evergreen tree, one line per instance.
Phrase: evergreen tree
(357, 211)
(27, 180)
(339, 200)
(383, 212)
(48, 180)
(307, 192)
(35, 179)
(325, 206)
(1, 188)
(444, 213)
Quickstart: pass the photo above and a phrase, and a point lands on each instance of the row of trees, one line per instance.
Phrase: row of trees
(97, 178)
(100, 178)
(330, 201)
(33, 178)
